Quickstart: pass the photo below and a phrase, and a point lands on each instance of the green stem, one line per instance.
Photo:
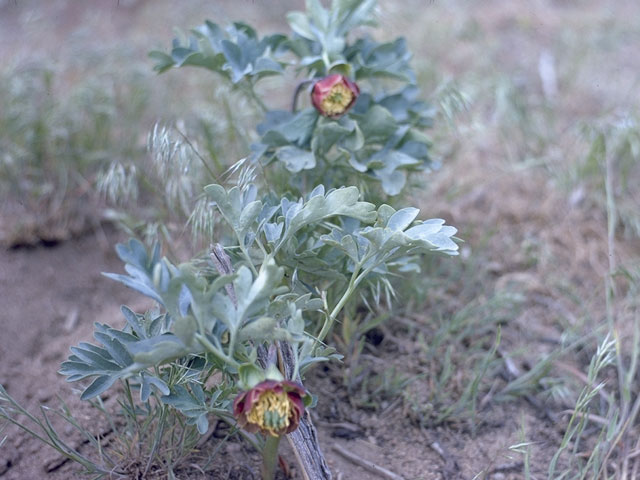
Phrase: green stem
(325, 59)
(296, 94)
(261, 247)
(204, 341)
(232, 341)
(353, 282)
(257, 100)
(270, 457)
(246, 255)
(132, 405)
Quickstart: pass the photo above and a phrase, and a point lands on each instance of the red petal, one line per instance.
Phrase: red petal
(327, 83)
(239, 403)
(266, 385)
(297, 402)
(322, 88)
(353, 86)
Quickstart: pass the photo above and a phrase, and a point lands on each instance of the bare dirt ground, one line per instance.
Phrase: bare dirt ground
(527, 234)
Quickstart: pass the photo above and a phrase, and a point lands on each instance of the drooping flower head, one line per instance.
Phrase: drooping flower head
(334, 95)
(272, 407)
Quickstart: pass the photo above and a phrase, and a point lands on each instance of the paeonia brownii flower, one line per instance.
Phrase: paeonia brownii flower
(272, 407)
(334, 95)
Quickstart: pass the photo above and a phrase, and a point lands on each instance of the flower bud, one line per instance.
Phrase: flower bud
(271, 407)
(334, 95)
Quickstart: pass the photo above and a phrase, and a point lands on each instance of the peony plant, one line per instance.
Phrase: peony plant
(237, 329)
(340, 136)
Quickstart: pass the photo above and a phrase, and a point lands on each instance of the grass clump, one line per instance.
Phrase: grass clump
(54, 137)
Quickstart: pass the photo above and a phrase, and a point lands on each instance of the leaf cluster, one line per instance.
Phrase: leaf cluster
(374, 146)
(291, 267)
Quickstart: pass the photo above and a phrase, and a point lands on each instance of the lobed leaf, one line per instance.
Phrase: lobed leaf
(236, 54)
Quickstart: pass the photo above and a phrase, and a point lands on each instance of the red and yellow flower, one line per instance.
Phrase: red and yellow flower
(334, 95)
(271, 407)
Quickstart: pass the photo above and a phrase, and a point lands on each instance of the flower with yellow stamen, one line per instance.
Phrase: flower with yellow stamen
(271, 407)
(334, 95)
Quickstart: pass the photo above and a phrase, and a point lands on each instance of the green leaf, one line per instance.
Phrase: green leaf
(402, 218)
(157, 351)
(329, 132)
(133, 320)
(296, 159)
(263, 329)
(279, 307)
(355, 140)
(99, 385)
(193, 404)
(202, 424)
(344, 243)
(314, 63)
(163, 61)
(349, 14)
(198, 59)
(299, 23)
(266, 66)
(116, 359)
(377, 124)
(149, 381)
(217, 193)
(295, 325)
(436, 234)
(140, 283)
(248, 217)
(387, 60)
(391, 175)
(134, 254)
(115, 348)
(384, 214)
(235, 60)
(235, 54)
(318, 14)
(212, 32)
(236, 206)
(343, 201)
(253, 297)
(185, 328)
(273, 232)
(75, 369)
(96, 360)
(282, 128)
(139, 267)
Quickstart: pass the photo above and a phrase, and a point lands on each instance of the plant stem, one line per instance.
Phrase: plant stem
(204, 341)
(325, 59)
(341, 303)
(246, 255)
(296, 93)
(248, 88)
(232, 341)
(270, 457)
